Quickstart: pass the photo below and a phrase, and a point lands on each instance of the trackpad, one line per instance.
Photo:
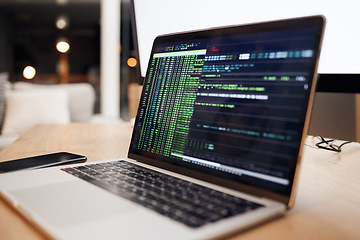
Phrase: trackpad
(72, 202)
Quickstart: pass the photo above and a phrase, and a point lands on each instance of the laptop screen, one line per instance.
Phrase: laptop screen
(229, 102)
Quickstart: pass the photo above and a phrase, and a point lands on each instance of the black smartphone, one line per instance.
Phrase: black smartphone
(41, 161)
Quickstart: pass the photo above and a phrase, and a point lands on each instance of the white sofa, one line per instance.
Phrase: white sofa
(23, 104)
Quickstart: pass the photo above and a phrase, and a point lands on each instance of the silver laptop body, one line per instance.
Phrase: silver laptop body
(225, 108)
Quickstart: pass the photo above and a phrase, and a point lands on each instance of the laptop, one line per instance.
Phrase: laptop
(215, 149)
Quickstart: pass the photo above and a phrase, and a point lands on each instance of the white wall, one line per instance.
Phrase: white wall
(110, 58)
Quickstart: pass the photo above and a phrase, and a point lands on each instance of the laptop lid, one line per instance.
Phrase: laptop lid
(231, 105)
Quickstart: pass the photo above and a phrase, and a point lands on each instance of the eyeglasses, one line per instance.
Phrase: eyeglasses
(329, 144)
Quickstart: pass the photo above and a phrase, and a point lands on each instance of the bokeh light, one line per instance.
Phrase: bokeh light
(29, 72)
(131, 62)
(63, 46)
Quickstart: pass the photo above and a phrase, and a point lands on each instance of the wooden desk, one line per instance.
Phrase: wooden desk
(327, 204)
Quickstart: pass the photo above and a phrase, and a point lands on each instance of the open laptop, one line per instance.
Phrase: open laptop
(216, 144)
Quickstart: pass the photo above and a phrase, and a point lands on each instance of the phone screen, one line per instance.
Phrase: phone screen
(41, 161)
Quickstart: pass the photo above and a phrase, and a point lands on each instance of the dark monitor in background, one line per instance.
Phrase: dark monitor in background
(336, 109)
(339, 68)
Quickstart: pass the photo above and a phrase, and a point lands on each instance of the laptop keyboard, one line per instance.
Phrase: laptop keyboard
(181, 200)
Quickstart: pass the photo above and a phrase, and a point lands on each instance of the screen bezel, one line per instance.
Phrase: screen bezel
(313, 21)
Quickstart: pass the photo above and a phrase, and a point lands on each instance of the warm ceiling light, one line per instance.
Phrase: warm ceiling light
(62, 22)
(63, 46)
(62, 2)
(29, 72)
(131, 62)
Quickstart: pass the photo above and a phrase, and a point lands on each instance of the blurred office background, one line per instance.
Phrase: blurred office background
(30, 30)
